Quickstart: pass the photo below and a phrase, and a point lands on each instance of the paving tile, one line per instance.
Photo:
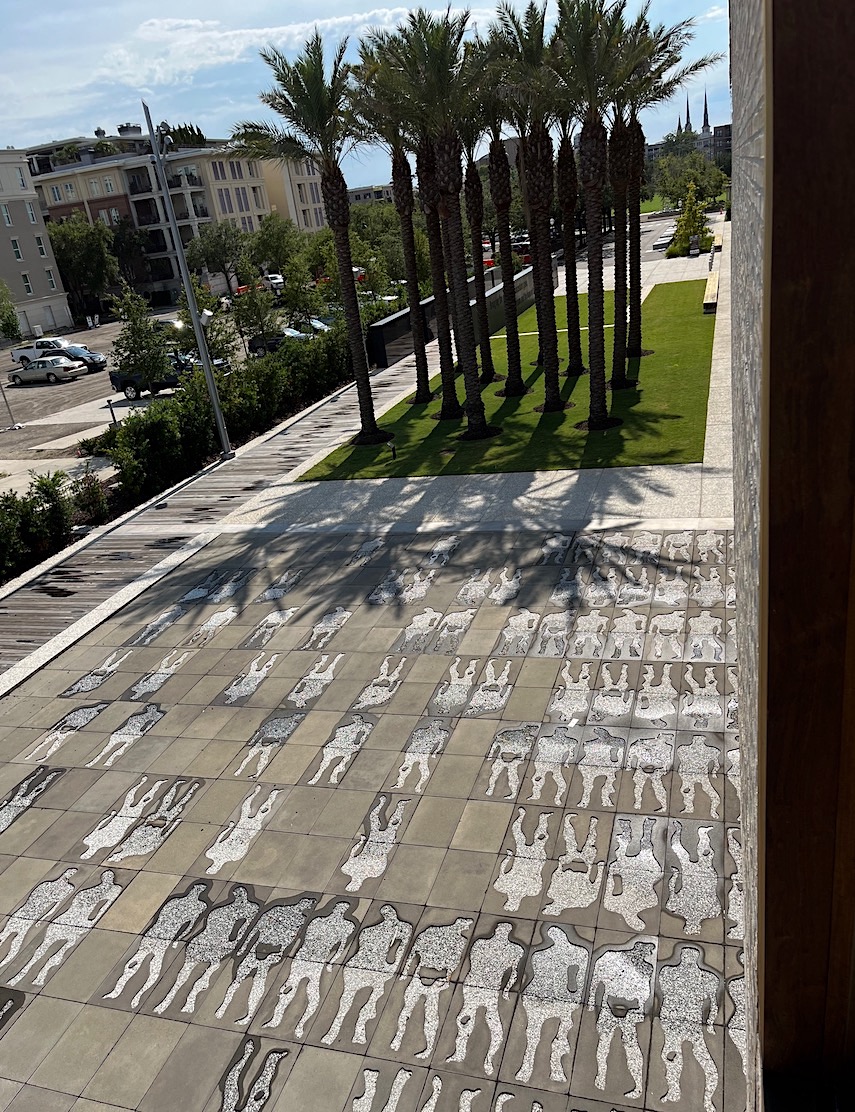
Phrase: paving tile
(80, 1050)
(31, 1098)
(134, 1062)
(192, 1071)
(35, 1032)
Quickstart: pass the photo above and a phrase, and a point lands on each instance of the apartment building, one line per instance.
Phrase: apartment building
(27, 264)
(367, 193)
(294, 190)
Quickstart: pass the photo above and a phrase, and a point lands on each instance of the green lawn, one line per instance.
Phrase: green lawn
(664, 415)
(655, 204)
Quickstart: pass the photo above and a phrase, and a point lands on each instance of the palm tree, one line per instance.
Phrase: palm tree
(529, 92)
(318, 125)
(500, 190)
(378, 104)
(620, 170)
(588, 34)
(427, 51)
(567, 188)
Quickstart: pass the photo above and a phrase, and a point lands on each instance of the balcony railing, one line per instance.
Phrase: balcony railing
(192, 180)
(175, 182)
(201, 211)
(148, 218)
(140, 187)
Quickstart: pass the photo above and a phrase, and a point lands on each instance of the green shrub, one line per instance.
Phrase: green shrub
(13, 550)
(148, 452)
(47, 514)
(90, 500)
(101, 444)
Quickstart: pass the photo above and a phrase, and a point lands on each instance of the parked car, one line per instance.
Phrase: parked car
(94, 360)
(274, 282)
(310, 326)
(52, 368)
(172, 326)
(132, 386)
(261, 345)
(45, 345)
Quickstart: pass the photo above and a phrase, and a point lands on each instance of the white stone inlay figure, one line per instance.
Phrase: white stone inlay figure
(554, 992)
(632, 876)
(730, 590)
(443, 550)
(269, 624)
(418, 633)
(736, 896)
(341, 748)
(704, 702)
(265, 946)
(689, 1001)
(388, 589)
(626, 980)
(601, 590)
(585, 548)
(579, 876)
(569, 589)
(365, 1103)
(696, 762)
(156, 679)
(476, 588)
(627, 635)
(705, 641)
(201, 590)
(266, 738)
(315, 681)
(693, 885)
(451, 631)
(734, 771)
(555, 752)
(281, 586)
(97, 676)
(454, 693)
(493, 692)
(437, 950)
(231, 585)
(324, 630)
(615, 547)
(602, 758)
(25, 794)
(711, 547)
(111, 829)
(570, 701)
(381, 689)
(149, 836)
(324, 941)
(554, 548)
(224, 929)
(588, 635)
(651, 757)
(174, 922)
(636, 590)
(646, 546)
(370, 855)
(366, 550)
(521, 872)
(433, 1099)
(731, 709)
(518, 633)
(208, 630)
(507, 588)
(258, 1093)
(614, 698)
(86, 908)
(708, 590)
(736, 1026)
(157, 625)
(510, 748)
(666, 630)
(45, 899)
(232, 843)
(493, 971)
(69, 724)
(380, 950)
(656, 702)
(250, 679)
(416, 591)
(679, 546)
(554, 633)
(130, 732)
(425, 745)
(673, 591)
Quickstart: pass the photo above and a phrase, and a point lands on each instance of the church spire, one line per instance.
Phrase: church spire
(706, 128)
(679, 126)
(688, 116)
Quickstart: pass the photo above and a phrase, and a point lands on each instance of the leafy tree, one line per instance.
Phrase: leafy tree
(187, 135)
(84, 257)
(254, 310)
(219, 334)
(104, 148)
(129, 247)
(679, 143)
(10, 326)
(67, 154)
(217, 248)
(276, 243)
(692, 222)
(140, 348)
(675, 173)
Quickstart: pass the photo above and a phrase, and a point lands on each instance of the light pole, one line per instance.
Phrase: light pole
(157, 137)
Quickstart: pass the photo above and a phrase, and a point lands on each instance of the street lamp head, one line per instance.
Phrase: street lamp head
(206, 316)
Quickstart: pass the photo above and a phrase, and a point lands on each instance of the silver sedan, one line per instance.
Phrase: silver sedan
(52, 368)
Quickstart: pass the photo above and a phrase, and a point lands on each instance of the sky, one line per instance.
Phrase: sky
(197, 61)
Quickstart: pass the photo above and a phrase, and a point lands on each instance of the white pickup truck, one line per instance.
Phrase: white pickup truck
(47, 345)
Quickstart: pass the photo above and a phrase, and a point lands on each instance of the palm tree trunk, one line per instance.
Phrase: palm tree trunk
(568, 195)
(474, 196)
(402, 187)
(633, 348)
(540, 189)
(532, 238)
(451, 409)
(334, 190)
(619, 381)
(500, 190)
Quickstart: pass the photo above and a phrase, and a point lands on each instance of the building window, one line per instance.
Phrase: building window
(25, 278)
(242, 198)
(310, 168)
(55, 193)
(237, 171)
(257, 198)
(69, 191)
(51, 281)
(246, 224)
(7, 219)
(225, 200)
(40, 244)
(319, 218)
(307, 221)
(219, 169)
(22, 181)
(31, 212)
(104, 217)
(301, 193)
(115, 216)
(315, 190)
(94, 188)
(108, 185)
(252, 169)
(16, 249)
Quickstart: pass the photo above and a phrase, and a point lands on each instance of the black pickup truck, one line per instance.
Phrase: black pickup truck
(131, 385)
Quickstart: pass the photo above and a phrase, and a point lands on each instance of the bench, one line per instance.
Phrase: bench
(711, 294)
(717, 242)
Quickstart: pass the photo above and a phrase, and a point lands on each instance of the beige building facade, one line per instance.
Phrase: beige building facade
(294, 189)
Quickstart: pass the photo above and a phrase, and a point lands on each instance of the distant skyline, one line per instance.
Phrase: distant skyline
(203, 66)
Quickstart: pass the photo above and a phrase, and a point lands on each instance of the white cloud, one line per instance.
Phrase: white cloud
(714, 14)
